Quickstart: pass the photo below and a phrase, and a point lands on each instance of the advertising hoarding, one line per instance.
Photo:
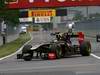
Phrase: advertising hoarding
(25, 19)
(42, 20)
(43, 12)
(38, 13)
(52, 3)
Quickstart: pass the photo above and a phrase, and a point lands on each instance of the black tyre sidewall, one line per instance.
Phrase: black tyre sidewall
(27, 58)
(85, 49)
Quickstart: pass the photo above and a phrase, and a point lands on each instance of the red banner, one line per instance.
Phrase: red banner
(52, 3)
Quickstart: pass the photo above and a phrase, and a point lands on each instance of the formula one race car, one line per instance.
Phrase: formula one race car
(98, 37)
(58, 49)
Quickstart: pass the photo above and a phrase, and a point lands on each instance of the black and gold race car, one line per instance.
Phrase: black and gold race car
(61, 47)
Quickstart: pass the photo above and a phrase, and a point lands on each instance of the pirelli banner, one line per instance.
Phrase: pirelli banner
(43, 13)
(39, 13)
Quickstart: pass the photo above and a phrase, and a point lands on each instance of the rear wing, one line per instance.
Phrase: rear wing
(77, 35)
(74, 36)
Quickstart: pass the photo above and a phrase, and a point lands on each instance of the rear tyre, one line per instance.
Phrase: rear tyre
(85, 48)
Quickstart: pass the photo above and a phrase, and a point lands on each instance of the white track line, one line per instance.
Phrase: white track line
(95, 56)
(17, 50)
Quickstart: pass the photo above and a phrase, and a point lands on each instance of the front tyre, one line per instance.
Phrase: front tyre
(27, 58)
(26, 48)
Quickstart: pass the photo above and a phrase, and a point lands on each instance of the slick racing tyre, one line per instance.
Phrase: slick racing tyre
(85, 48)
(27, 58)
(26, 48)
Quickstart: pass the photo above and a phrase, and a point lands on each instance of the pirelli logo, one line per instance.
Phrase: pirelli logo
(36, 13)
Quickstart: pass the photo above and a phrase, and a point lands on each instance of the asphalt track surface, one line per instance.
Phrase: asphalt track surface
(74, 65)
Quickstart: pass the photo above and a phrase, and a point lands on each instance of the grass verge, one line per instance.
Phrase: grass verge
(14, 45)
